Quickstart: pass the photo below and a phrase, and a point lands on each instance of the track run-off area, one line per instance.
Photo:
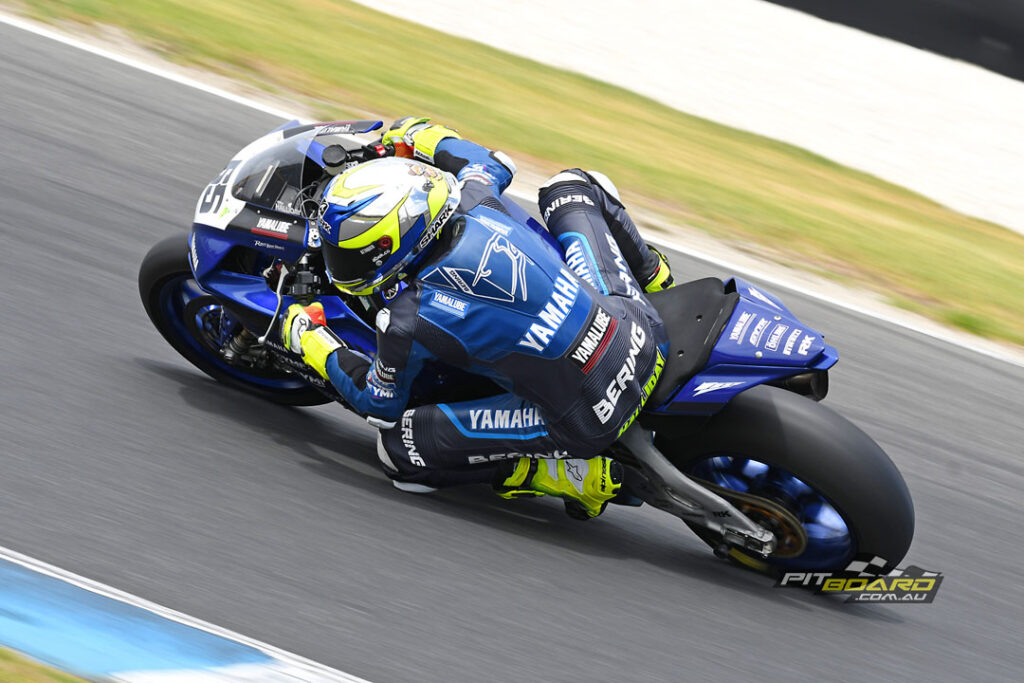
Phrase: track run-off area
(124, 464)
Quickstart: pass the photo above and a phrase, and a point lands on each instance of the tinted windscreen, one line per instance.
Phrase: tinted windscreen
(275, 175)
(271, 180)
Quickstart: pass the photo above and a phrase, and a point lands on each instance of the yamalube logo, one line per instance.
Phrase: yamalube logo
(271, 227)
(448, 304)
(593, 344)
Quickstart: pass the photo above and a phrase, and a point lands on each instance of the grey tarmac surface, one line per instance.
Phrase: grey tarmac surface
(120, 462)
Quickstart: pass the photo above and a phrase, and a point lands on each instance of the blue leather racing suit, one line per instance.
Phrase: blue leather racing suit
(569, 338)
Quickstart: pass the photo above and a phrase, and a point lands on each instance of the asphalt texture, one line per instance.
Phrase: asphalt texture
(121, 462)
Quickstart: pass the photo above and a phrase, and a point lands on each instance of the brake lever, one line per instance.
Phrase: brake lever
(280, 300)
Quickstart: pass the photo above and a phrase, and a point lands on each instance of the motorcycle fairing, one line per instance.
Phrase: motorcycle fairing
(761, 342)
(253, 204)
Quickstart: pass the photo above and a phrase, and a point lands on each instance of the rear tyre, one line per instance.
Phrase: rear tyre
(196, 325)
(813, 468)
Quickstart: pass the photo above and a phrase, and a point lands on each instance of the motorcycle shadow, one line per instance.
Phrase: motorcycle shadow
(338, 445)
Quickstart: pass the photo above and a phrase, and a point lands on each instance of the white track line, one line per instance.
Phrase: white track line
(948, 337)
(169, 74)
(305, 669)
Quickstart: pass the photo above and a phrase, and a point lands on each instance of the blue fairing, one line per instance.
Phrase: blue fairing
(762, 342)
(208, 246)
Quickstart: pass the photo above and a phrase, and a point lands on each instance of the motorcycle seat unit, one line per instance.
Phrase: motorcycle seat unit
(694, 314)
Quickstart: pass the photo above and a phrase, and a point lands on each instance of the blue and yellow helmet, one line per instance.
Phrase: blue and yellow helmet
(377, 218)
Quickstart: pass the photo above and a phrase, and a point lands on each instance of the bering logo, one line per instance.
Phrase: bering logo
(408, 441)
(627, 373)
(567, 199)
(624, 273)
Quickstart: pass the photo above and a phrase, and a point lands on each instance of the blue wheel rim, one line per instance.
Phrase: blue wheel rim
(217, 323)
(830, 541)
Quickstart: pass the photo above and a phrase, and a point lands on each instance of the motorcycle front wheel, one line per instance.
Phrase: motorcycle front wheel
(197, 326)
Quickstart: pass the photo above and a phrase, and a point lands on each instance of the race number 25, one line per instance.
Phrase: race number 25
(213, 195)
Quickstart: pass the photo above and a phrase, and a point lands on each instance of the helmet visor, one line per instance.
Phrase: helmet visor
(354, 269)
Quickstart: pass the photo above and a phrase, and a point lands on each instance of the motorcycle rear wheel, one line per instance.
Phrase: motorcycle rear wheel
(809, 465)
(193, 322)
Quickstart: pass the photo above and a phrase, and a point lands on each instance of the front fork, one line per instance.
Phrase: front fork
(668, 489)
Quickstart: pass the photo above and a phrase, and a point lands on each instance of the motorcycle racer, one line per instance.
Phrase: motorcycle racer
(574, 344)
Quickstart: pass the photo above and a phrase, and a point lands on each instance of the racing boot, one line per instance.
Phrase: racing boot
(658, 279)
(586, 486)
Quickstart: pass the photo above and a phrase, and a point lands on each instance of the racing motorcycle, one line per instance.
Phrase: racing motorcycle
(733, 440)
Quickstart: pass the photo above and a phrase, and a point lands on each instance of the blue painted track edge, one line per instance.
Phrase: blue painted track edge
(313, 671)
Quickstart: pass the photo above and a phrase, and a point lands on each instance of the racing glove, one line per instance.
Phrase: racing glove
(416, 138)
(305, 332)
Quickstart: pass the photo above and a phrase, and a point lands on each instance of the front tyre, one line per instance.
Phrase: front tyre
(196, 325)
(820, 483)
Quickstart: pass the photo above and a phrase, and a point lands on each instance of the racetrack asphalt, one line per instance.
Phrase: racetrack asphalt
(122, 463)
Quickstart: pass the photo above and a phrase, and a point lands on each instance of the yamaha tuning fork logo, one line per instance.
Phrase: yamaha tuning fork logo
(865, 580)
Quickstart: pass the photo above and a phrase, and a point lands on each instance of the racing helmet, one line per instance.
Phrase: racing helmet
(377, 219)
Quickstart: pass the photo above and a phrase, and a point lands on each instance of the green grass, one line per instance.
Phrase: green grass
(737, 185)
(15, 668)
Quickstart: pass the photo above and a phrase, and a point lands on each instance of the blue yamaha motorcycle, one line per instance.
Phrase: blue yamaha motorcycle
(733, 440)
